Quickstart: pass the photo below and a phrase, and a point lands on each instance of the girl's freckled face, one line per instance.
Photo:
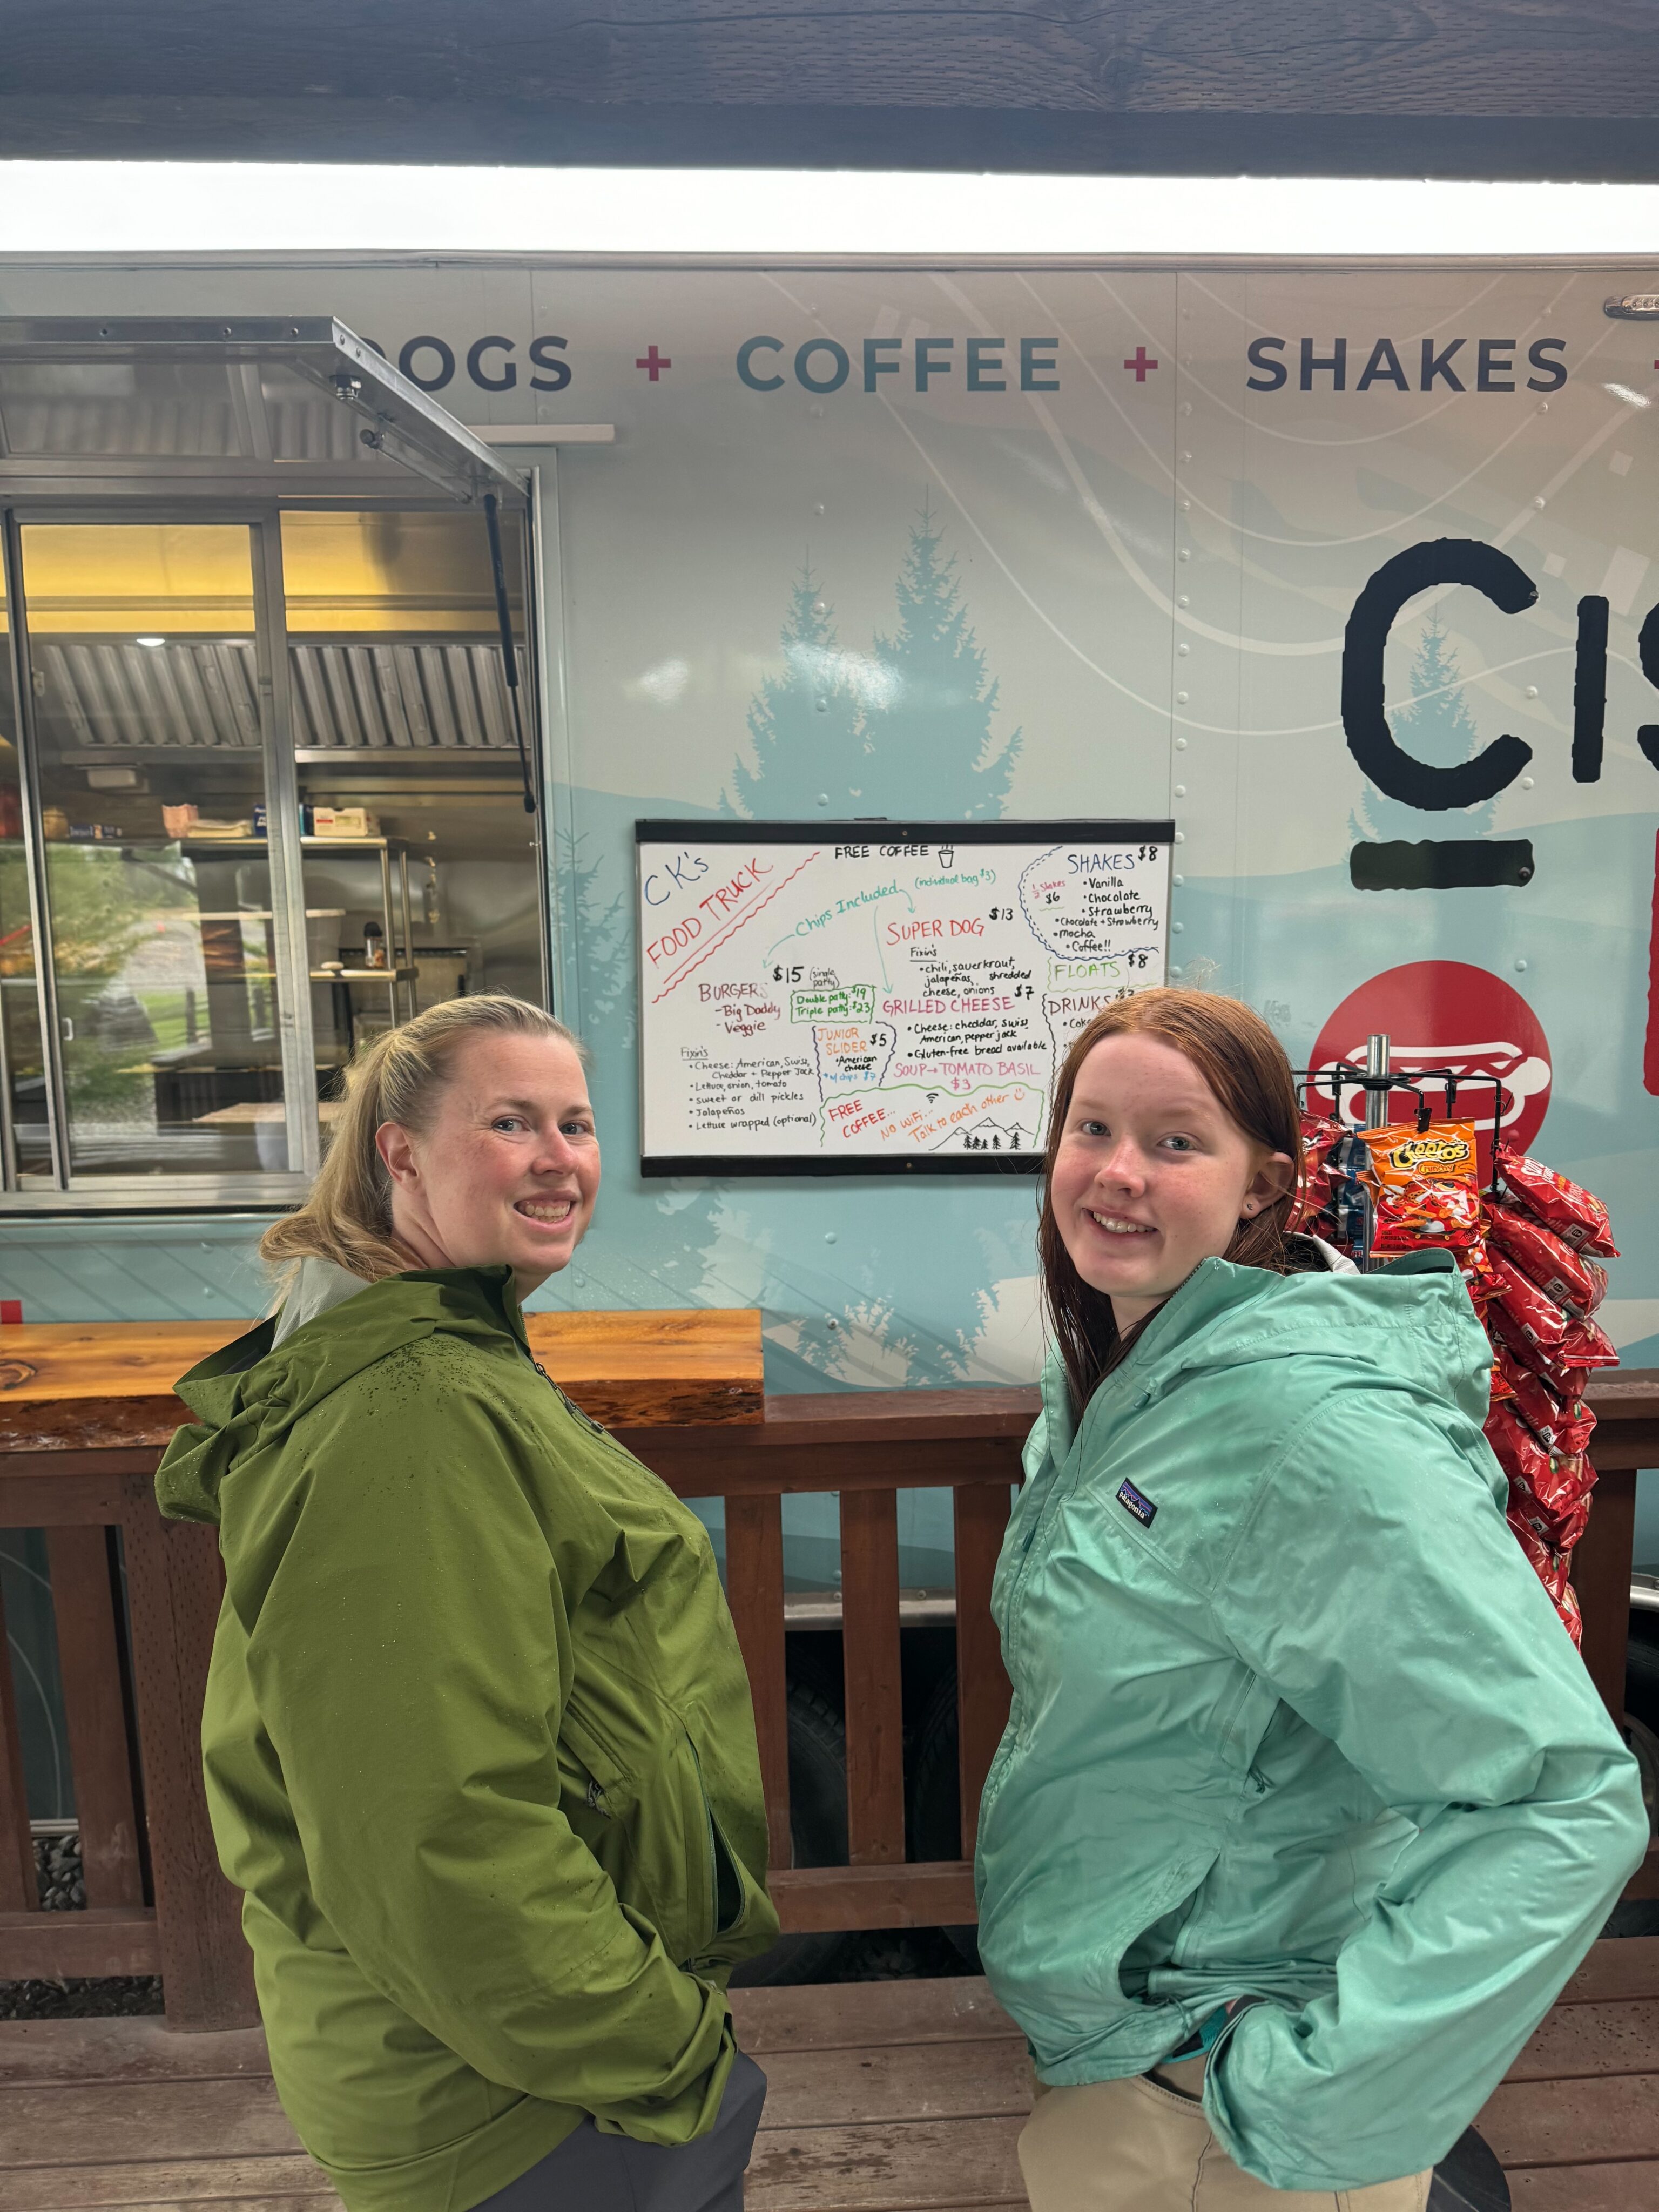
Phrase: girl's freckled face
(1151, 1176)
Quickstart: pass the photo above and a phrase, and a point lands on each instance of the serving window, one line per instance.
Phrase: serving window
(266, 795)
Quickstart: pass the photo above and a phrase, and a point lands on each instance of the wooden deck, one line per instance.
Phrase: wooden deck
(885, 2097)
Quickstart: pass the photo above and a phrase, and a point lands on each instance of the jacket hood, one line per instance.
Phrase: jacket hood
(248, 1394)
(1412, 1322)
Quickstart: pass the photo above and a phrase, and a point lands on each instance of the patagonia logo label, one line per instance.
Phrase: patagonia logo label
(1143, 1508)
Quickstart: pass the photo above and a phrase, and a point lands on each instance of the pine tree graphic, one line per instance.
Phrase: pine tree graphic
(610, 1002)
(806, 725)
(929, 723)
(1436, 725)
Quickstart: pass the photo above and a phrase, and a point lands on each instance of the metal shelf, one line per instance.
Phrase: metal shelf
(362, 974)
(193, 845)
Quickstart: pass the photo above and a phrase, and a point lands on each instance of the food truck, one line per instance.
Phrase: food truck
(822, 684)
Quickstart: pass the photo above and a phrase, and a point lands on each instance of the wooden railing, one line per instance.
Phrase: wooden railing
(865, 1448)
(134, 1730)
(155, 1900)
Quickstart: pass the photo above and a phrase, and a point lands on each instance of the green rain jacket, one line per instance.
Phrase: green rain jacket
(478, 1747)
(1292, 1719)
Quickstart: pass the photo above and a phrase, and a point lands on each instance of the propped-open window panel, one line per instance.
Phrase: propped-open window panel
(269, 788)
(256, 407)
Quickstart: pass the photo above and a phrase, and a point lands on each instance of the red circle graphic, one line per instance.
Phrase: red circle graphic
(1444, 1013)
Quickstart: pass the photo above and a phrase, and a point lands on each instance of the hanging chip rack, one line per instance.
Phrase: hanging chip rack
(1379, 1081)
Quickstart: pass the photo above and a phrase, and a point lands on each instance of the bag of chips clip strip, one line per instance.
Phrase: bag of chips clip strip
(1565, 1424)
(1538, 1318)
(1562, 1366)
(1578, 1218)
(1578, 1284)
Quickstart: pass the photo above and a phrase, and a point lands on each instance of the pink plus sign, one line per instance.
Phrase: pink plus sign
(1140, 364)
(654, 363)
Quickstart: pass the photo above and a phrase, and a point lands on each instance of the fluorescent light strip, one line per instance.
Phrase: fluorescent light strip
(169, 207)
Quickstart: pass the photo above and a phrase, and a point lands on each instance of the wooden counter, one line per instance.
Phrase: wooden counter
(89, 1387)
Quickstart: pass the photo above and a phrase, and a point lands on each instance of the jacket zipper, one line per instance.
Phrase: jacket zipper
(1041, 1528)
(713, 1850)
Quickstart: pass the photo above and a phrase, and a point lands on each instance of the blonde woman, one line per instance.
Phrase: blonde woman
(478, 1737)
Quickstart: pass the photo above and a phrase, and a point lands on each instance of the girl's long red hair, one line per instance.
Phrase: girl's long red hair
(1245, 1066)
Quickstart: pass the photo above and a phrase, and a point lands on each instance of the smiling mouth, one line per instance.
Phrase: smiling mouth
(549, 1211)
(1115, 1225)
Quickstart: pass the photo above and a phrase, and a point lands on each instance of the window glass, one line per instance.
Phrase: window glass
(152, 811)
(422, 868)
(22, 1067)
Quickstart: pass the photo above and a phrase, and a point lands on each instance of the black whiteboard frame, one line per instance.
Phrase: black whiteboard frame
(721, 1167)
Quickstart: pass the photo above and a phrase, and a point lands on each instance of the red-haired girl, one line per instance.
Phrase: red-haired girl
(1306, 1807)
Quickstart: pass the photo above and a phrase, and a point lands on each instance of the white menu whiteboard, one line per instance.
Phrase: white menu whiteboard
(864, 997)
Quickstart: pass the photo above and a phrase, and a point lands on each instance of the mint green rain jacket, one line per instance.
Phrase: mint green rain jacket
(1292, 1719)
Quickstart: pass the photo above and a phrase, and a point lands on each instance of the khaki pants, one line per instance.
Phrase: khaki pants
(1144, 2145)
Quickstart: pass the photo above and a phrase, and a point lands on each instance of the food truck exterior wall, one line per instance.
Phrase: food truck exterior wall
(1052, 540)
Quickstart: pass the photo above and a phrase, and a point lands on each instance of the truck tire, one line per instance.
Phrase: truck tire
(817, 1832)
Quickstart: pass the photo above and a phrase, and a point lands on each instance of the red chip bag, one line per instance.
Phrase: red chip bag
(1567, 1606)
(1549, 1492)
(1551, 1568)
(1566, 1500)
(1559, 1530)
(1418, 1214)
(1571, 1524)
(1443, 1153)
(1475, 1266)
(1584, 1345)
(1578, 1284)
(1577, 1219)
(1565, 1387)
(1505, 1365)
(1517, 1451)
(1557, 1340)
(1502, 1389)
(1538, 1318)
(1318, 1135)
(1562, 1365)
(1574, 1428)
(1562, 1424)
(1546, 1563)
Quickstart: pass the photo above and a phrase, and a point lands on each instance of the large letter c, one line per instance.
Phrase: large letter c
(1364, 713)
(746, 353)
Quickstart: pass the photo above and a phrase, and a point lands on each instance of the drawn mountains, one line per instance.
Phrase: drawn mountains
(988, 1134)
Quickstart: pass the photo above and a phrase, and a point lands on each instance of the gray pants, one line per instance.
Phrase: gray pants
(592, 2172)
